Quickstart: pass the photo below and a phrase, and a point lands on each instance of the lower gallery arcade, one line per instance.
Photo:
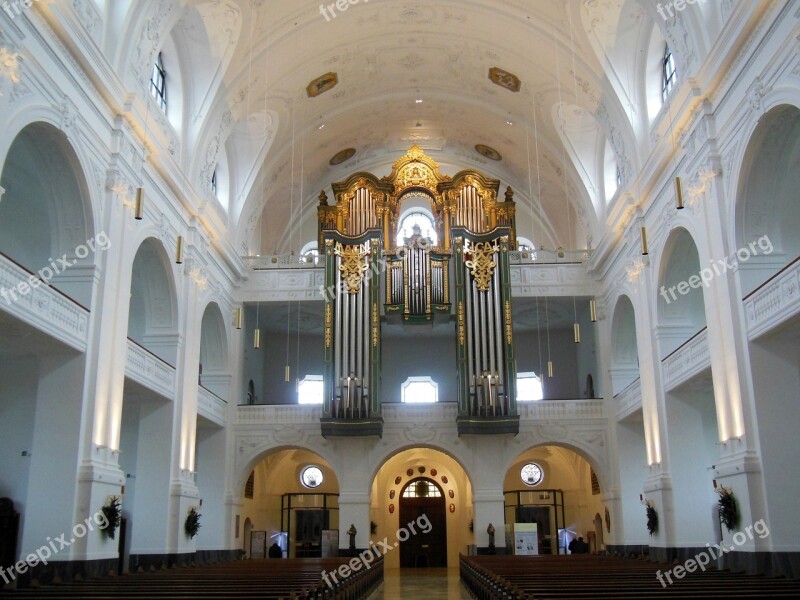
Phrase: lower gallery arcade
(445, 299)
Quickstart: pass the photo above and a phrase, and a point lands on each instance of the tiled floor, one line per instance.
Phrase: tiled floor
(423, 584)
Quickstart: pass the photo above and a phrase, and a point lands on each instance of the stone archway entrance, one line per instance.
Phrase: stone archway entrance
(423, 499)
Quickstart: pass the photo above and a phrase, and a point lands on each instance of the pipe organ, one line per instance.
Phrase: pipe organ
(357, 234)
(485, 353)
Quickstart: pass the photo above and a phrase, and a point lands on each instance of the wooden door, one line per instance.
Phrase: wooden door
(424, 549)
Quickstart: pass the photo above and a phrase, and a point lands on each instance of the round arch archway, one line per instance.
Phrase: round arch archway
(393, 478)
(46, 214)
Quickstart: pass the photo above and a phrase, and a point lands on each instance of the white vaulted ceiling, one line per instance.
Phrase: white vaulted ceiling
(244, 66)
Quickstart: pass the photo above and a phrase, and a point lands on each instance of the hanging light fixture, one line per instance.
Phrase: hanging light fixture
(257, 333)
(138, 206)
(576, 328)
(550, 369)
(179, 251)
(645, 250)
(237, 318)
(678, 194)
(593, 310)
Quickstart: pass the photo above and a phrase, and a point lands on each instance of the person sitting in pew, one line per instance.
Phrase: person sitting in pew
(275, 551)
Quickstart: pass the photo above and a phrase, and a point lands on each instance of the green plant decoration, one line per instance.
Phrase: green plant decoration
(192, 525)
(112, 511)
(728, 510)
(652, 518)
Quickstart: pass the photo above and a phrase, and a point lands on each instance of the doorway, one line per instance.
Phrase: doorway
(420, 497)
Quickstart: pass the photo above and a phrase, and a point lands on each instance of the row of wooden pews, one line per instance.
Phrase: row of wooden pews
(607, 578)
(294, 579)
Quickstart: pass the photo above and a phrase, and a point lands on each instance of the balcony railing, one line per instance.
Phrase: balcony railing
(149, 370)
(44, 307)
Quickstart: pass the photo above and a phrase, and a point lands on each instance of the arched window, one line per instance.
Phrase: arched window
(422, 488)
(309, 253)
(524, 244)
(158, 83)
(529, 387)
(669, 76)
(425, 223)
(419, 390)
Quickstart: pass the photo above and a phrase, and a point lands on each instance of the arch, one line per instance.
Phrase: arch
(243, 471)
(400, 448)
(624, 345)
(213, 340)
(599, 466)
(680, 303)
(46, 211)
(214, 367)
(153, 317)
(767, 215)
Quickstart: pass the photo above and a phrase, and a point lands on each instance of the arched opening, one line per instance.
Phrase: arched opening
(396, 512)
(147, 416)
(550, 487)
(295, 503)
(210, 436)
(153, 316)
(45, 216)
(767, 211)
(599, 535)
(624, 348)
(681, 309)
(214, 372)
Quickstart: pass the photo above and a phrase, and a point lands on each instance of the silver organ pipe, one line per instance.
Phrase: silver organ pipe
(470, 210)
(471, 370)
(363, 213)
(499, 329)
(337, 350)
(358, 333)
(365, 350)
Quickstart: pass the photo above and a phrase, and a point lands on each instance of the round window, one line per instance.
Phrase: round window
(311, 477)
(532, 474)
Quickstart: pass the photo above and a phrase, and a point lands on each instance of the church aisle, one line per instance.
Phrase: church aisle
(431, 584)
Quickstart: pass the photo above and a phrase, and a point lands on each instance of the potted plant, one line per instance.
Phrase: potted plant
(727, 508)
(112, 511)
(192, 525)
(652, 517)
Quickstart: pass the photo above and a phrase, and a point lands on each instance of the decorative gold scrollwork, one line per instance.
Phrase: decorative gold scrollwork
(461, 333)
(375, 326)
(480, 262)
(328, 325)
(353, 265)
(508, 322)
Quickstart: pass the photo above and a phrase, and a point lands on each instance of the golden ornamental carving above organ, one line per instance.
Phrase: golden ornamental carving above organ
(480, 261)
(353, 265)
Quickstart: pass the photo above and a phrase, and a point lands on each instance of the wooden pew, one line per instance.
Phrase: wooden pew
(584, 576)
(294, 579)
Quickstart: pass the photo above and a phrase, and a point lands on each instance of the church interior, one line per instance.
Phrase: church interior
(420, 298)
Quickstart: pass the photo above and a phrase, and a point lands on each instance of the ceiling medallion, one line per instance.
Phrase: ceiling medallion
(322, 84)
(342, 156)
(488, 152)
(505, 79)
